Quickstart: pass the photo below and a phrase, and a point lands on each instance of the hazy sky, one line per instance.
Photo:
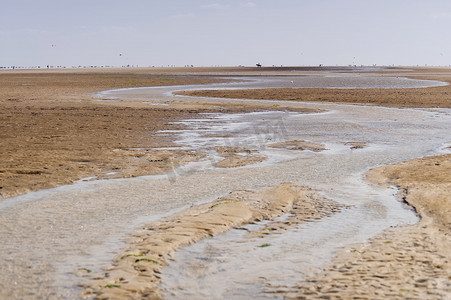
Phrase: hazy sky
(236, 32)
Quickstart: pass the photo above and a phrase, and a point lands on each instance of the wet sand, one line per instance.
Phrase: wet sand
(53, 132)
(417, 256)
(136, 272)
(428, 97)
(299, 145)
(412, 262)
(236, 157)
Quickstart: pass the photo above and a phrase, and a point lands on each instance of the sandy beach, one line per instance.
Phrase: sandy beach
(55, 132)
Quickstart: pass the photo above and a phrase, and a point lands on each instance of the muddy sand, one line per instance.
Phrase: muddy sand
(54, 132)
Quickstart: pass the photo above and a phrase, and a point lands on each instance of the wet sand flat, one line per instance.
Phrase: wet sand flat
(53, 132)
(136, 272)
(405, 97)
(411, 262)
(117, 143)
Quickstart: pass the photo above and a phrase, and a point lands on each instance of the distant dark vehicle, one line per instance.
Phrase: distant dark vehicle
(258, 65)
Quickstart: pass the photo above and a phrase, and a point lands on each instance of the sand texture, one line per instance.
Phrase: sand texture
(299, 145)
(413, 262)
(54, 132)
(135, 273)
(232, 157)
(406, 97)
(356, 145)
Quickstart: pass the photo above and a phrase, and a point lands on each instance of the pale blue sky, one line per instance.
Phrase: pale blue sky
(236, 32)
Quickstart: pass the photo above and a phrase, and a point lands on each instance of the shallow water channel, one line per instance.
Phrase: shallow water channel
(48, 235)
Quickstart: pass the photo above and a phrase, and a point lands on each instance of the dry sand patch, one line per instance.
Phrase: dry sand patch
(426, 183)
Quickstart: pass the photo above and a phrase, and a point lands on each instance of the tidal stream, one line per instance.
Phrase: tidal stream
(46, 236)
